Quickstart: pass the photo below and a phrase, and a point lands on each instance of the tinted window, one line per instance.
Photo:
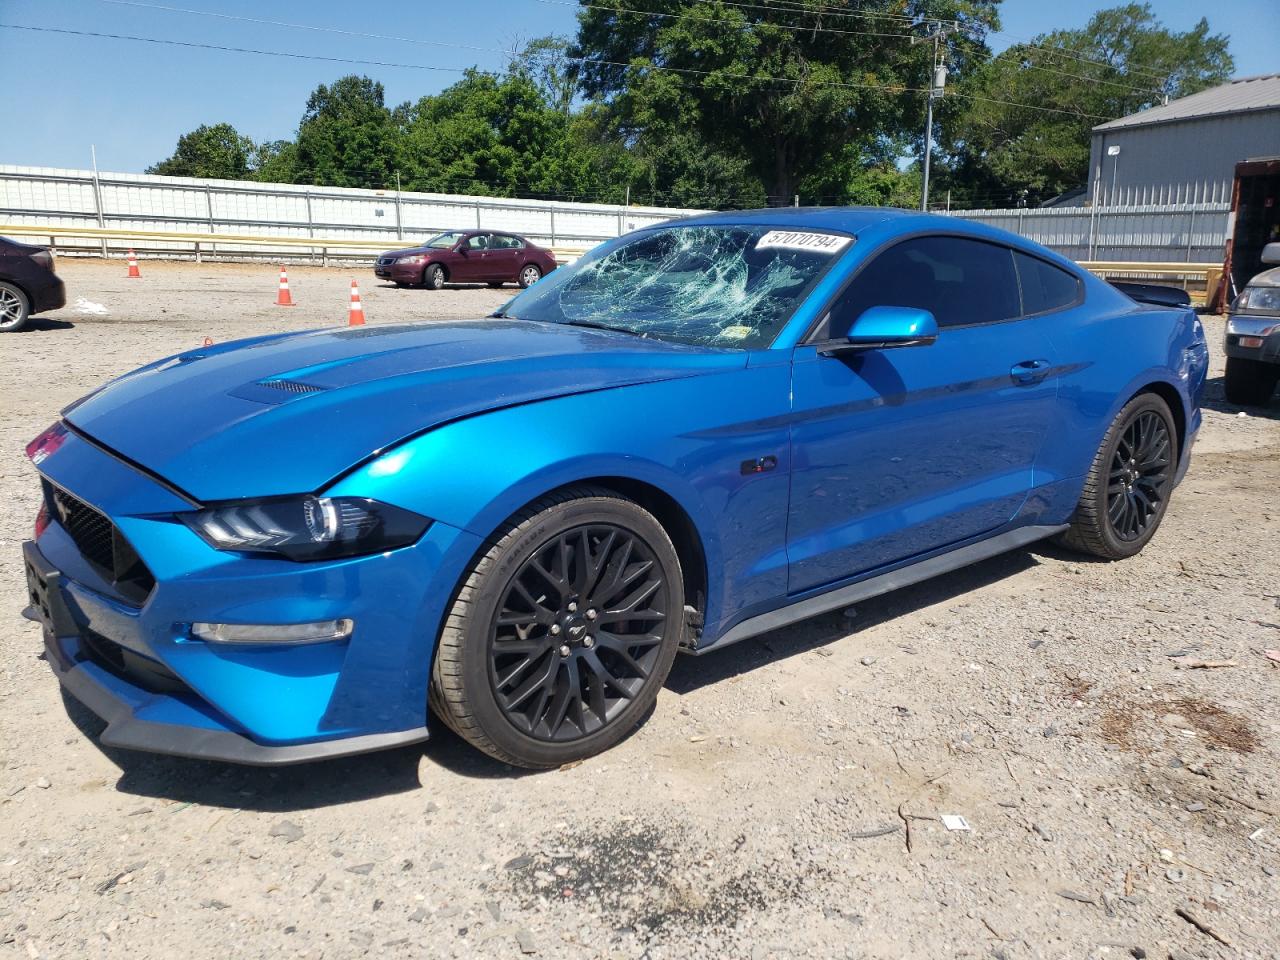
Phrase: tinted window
(959, 281)
(478, 242)
(1044, 286)
(504, 241)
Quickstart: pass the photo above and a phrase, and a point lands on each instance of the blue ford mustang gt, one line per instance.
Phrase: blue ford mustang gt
(289, 547)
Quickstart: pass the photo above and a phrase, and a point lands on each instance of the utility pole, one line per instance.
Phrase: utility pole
(938, 32)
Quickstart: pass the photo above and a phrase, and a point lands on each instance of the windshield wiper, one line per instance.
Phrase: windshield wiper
(604, 326)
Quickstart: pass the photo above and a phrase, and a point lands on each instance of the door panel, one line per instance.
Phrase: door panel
(898, 452)
(468, 264)
(503, 257)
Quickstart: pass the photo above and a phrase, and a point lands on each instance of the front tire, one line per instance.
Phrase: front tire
(563, 633)
(1127, 490)
(15, 308)
(1249, 383)
(433, 277)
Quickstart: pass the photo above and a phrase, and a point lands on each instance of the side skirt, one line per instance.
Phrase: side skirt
(883, 583)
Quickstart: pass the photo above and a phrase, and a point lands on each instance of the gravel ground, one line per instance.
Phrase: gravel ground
(785, 798)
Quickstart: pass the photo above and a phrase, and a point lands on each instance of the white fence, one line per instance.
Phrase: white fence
(1183, 233)
(39, 196)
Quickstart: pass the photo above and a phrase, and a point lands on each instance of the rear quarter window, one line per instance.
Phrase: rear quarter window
(1045, 287)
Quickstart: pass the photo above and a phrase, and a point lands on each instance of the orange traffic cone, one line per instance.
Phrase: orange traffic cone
(284, 299)
(133, 267)
(356, 317)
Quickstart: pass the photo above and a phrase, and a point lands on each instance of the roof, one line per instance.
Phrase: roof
(848, 219)
(1239, 96)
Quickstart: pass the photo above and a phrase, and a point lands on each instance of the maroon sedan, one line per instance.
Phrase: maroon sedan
(467, 256)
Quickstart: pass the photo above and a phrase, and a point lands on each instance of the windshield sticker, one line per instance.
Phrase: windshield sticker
(795, 240)
(736, 333)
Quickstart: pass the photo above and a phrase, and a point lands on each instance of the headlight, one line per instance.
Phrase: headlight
(307, 528)
(416, 258)
(1259, 298)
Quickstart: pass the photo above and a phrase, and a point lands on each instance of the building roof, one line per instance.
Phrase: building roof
(1239, 96)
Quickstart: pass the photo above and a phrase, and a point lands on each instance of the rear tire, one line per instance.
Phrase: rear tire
(1127, 490)
(1249, 383)
(529, 275)
(433, 277)
(15, 309)
(563, 633)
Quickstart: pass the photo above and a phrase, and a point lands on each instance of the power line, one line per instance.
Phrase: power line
(1078, 57)
(688, 71)
(262, 21)
(828, 11)
(229, 49)
(733, 23)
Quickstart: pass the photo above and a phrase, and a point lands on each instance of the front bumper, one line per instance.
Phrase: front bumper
(160, 689)
(400, 272)
(1246, 329)
(138, 717)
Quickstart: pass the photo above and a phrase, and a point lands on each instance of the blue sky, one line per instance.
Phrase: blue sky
(133, 100)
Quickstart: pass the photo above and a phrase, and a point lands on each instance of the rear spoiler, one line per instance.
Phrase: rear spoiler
(1154, 293)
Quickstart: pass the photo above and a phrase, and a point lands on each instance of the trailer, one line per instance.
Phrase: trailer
(1253, 223)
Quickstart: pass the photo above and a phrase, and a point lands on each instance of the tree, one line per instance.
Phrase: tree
(275, 161)
(347, 137)
(768, 93)
(209, 151)
(1020, 129)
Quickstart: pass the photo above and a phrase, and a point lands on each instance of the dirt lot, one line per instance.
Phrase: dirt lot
(783, 800)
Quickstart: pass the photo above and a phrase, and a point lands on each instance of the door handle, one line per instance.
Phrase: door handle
(1030, 371)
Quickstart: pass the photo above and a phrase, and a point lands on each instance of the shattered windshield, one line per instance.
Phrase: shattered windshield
(723, 286)
(443, 240)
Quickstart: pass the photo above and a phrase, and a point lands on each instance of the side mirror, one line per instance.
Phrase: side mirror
(880, 328)
(1271, 253)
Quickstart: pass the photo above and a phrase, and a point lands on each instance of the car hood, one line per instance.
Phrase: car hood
(286, 414)
(412, 251)
(1267, 278)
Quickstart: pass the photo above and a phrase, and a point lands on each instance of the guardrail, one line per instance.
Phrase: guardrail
(329, 247)
(202, 243)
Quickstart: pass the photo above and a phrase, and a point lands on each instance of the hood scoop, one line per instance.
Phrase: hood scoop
(276, 390)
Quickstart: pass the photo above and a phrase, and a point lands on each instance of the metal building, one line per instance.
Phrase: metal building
(1186, 151)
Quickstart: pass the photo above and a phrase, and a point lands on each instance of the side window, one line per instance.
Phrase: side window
(1044, 286)
(505, 241)
(479, 241)
(959, 281)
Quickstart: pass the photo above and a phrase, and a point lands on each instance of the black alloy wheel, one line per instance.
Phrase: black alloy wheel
(563, 632)
(1129, 483)
(1141, 469)
(578, 632)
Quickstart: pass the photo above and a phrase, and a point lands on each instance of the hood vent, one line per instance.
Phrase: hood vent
(292, 386)
(276, 390)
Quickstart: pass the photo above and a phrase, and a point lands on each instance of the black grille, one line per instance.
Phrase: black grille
(292, 386)
(386, 261)
(91, 531)
(141, 671)
(97, 538)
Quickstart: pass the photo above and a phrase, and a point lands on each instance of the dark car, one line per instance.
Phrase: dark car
(27, 284)
(467, 256)
(1253, 336)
